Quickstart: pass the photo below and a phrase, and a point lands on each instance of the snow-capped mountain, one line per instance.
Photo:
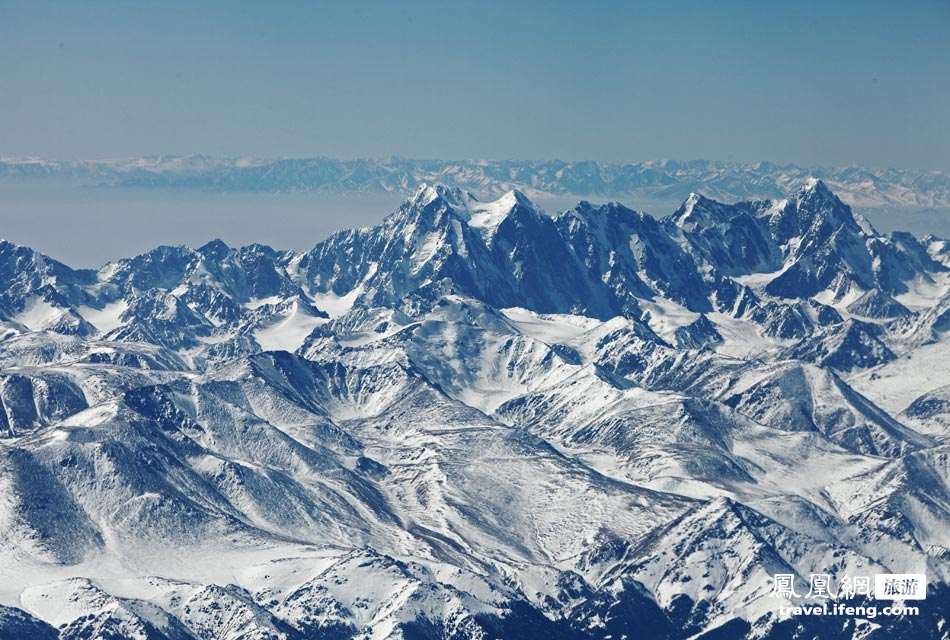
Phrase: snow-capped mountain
(477, 420)
(656, 181)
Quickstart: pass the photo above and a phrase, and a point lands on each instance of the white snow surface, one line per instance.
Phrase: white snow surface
(105, 319)
(217, 460)
(288, 333)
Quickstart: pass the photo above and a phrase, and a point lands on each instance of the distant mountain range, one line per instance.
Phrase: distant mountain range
(476, 420)
(661, 181)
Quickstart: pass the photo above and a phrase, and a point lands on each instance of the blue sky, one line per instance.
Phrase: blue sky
(805, 82)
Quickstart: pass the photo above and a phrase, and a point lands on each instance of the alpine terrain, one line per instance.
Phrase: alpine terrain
(478, 420)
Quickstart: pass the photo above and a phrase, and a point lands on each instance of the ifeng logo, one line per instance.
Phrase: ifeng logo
(828, 597)
(887, 586)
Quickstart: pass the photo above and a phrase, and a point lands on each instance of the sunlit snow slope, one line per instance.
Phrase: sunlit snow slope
(478, 420)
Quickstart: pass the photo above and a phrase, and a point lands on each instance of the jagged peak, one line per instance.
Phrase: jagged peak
(509, 201)
(815, 207)
(216, 249)
(585, 206)
(488, 216)
(435, 199)
(426, 194)
(692, 200)
(161, 251)
(812, 183)
(694, 209)
(607, 214)
(439, 205)
(815, 188)
(516, 196)
(427, 204)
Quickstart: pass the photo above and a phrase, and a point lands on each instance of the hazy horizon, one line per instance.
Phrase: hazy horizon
(807, 83)
(811, 84)
(262, 159)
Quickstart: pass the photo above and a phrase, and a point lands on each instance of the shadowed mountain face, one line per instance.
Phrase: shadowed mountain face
(477, 420)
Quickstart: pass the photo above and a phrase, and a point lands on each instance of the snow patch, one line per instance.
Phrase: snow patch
(288, 334)
(107, 318)
(550, 328)
(36, 314)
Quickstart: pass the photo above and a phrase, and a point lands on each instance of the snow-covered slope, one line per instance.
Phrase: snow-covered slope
(475, 420)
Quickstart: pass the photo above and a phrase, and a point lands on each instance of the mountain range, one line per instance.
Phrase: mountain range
(658, 181)
(476, 419)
